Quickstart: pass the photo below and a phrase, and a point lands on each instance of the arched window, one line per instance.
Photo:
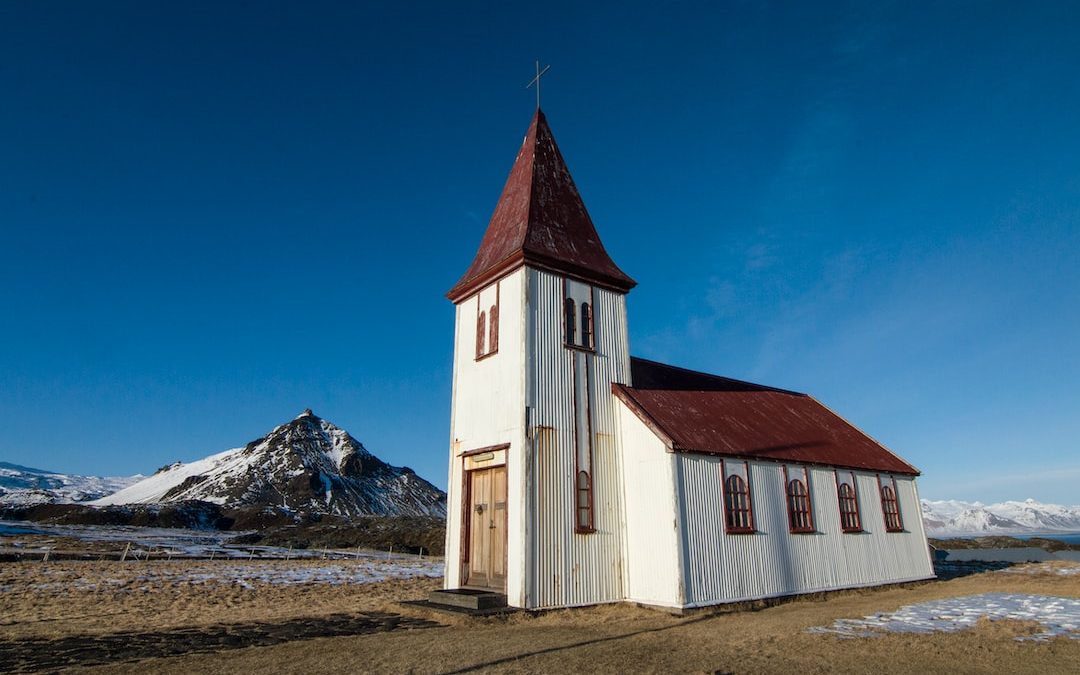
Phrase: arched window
(481, 330)
(586, 326)
(849, 509)
(493, 330)
(584, 502)
(891, 509)
(798, 506)
(570, 320)
(737, 514)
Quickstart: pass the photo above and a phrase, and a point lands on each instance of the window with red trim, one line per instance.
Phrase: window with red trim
(798, 505)
(584, 502)
(569, 320)
(586, 326)
(737, 515)
(493, 330)
(891, 509)
(849, 509)
(481, 331)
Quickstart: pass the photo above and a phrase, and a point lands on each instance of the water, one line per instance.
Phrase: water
(8, 529)
(1067, 537)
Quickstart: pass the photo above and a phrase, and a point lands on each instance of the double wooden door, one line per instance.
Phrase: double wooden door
(485, 566)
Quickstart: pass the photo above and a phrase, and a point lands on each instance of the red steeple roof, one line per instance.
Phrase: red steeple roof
(541, 221)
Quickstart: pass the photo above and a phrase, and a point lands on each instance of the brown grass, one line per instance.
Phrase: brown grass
(612, 638)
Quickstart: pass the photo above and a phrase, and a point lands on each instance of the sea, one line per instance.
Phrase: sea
(1067, 537)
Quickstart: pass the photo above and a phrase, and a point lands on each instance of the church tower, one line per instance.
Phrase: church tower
(535, 490)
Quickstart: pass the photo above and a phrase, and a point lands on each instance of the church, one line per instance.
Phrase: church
(582, 475)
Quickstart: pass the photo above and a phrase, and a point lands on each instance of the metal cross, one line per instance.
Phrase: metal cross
(536, 81)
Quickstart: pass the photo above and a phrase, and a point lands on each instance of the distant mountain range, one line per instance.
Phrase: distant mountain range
(23, 486)
(308, 465)
(951, 517)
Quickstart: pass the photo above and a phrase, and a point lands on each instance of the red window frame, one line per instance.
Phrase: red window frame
(738, 508)
(800, 515)
(586, 325)
(569, 320)
(584, 509)
(481, 332)
(849, 508)
(487, 327)
(890, 507)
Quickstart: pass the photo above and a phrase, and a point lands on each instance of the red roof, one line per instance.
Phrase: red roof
(541, 221)
(697, 412)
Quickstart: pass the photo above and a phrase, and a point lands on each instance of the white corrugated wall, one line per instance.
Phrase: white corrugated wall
(651, 546)
(487, 410)
(570, 568)
(720, 567)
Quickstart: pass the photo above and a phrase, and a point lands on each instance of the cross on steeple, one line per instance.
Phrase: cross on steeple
(536, 81)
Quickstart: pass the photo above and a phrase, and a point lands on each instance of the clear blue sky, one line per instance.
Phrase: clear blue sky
(213, 215)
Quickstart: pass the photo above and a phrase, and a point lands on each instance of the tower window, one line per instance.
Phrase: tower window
(569, 320)
(584, 502)
(481, 331)
(586, 326)
(493, 330)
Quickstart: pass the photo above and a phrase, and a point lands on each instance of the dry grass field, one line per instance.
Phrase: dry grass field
(192, 616)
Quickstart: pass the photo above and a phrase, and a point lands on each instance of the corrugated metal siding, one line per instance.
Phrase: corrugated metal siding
(571, 568)
(720, 567)
(651, 547)
(487, 410)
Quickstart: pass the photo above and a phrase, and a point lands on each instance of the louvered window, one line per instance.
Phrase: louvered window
(586, 326)
(481, 331)
(569, 320)
(493, 330)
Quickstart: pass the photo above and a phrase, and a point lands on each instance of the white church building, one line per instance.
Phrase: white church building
(581, 475)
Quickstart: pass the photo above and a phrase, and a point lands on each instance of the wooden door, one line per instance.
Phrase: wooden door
(485, 566)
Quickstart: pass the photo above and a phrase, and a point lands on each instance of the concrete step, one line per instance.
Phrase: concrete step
(468, 598)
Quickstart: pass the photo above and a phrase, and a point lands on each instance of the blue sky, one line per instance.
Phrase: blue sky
(214, 215)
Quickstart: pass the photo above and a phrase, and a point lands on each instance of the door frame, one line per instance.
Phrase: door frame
(470, 465)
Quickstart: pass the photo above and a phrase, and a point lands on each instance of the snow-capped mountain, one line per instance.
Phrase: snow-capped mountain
(307, 465)
(955, 517)
(23, 486)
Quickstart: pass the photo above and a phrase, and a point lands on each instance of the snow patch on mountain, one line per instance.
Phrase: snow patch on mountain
(949, 517)
(307, 465)
(22, 486)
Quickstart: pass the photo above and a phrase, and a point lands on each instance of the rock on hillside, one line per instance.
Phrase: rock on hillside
(308, 465)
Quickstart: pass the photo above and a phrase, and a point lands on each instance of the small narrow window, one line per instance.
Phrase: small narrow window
(481, 330)
(798, 500)
(570, 320)
(891, 509)
(586, 326)
(584, 502)
(849, 509)
(737, 505)
(493, 330)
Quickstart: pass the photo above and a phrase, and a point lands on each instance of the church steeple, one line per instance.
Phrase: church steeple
(541, 221)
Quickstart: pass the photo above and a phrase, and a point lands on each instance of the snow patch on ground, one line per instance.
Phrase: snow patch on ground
(245, 575)
(1058, 616)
